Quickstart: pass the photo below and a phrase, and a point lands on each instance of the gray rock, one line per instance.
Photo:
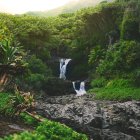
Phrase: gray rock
(100, 120)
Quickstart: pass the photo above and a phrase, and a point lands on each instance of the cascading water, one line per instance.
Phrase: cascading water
(63, 67)
(81, 90)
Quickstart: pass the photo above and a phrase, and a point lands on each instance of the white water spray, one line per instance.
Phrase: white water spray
(81, 91)
(63, 68)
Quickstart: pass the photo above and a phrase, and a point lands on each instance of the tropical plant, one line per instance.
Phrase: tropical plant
(22, 101)
(9, 52)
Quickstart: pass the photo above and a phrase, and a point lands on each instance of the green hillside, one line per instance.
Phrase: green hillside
(68, 8)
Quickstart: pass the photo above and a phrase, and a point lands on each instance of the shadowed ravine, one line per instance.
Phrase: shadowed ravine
(12, 126)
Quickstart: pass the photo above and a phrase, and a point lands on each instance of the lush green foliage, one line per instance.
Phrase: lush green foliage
(13, 104)
(38, 73)
(23, 101)
(33, 34)
(117, 93)
(48, 130)
(54, 130)
(6, 104)
(24, 136)
(28, 119)
(10, 49)
(135, 77)
(118, 89)
(103, 41)
(121, 57)
(99, 82)
(45, 130)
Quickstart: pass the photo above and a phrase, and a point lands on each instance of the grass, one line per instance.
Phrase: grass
(117, 89)
(115, 93)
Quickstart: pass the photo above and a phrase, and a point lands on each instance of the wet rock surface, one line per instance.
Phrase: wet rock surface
(55, 86)
(100, 120)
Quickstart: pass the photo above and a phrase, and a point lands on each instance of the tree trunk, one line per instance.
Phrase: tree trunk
(3, 81)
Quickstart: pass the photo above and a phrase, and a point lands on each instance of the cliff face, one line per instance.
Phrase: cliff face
(100, 120)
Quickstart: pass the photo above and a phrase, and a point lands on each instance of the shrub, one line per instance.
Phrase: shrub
(121, 57)
(57, 131)
(13, 104)
(6, 104)
(35, 81)
(119, 83)
(36, 65)
(130, 29)
(28, 119)
(130, 22)
(25, 136)
(48, 130)
(23, 101)
(38, 72)
(136, 77)
(99, 82)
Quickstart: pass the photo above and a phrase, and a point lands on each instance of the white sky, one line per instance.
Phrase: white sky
(22, 6)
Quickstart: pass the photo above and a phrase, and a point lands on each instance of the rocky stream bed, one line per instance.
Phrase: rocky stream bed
(100, 120)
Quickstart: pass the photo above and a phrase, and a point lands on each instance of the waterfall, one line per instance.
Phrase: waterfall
(81, 90)
(63, 67)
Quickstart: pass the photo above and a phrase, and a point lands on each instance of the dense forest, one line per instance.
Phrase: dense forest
(102, 41)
